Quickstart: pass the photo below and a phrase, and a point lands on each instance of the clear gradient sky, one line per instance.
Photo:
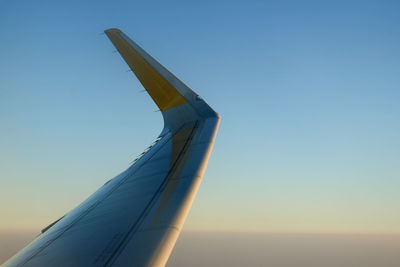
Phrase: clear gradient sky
(308, 92)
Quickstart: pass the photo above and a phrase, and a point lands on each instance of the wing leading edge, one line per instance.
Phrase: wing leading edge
(136, 217)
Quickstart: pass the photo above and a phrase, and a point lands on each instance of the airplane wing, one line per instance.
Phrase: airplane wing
(135, 218)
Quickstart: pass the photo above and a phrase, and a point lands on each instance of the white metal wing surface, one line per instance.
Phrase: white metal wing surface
(136, 217)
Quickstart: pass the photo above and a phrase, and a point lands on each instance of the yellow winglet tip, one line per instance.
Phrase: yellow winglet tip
(112, 30)
(159, 88)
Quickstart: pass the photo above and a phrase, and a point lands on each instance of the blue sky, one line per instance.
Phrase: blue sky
(308, 94)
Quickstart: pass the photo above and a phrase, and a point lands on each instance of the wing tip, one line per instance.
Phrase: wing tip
(111, 30)
(172, 94)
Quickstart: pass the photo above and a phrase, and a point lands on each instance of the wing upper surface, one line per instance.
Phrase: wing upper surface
(135, 218)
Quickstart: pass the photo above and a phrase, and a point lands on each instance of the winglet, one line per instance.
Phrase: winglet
(176, 101)
(162, 92)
